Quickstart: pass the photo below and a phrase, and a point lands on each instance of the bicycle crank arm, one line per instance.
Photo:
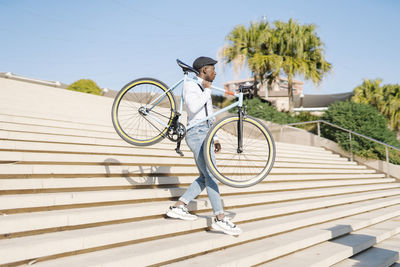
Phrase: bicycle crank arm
(178, 149)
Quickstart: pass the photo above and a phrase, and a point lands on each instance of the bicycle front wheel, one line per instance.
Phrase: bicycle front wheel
(240, 168)
(142, 111)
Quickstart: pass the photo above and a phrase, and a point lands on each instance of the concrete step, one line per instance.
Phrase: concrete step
(49, 158)
(61, 121)
(174, 247)
(118, 142)
(264, 250)
(33, 133)
(16, 119)
(59, 138)
(109, 134)
(65, 156)
(31, 128)
(39, 150)
(57, 116)
(386, 253)
(84, 150)
(19, 149)
(37, 145)
(58, 122)
(27, 170)
(72, 116)
(333, 251)
(48, 183)
(67, 131)
(53, 200)
(10, 114)
(87, 217)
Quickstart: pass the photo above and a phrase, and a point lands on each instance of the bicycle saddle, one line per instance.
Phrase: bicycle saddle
(186, 68)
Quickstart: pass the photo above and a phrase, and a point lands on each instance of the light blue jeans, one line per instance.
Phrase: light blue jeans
(195, 139)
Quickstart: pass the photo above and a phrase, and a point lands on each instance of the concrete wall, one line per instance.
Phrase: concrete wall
(294, 135)
(52, 101)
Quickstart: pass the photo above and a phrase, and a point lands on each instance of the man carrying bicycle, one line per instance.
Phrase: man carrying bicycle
(198, 104)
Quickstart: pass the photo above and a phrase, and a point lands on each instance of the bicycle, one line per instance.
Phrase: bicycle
(144, 112)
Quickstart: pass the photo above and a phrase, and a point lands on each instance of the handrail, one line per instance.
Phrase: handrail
(344, 129)
(350, 137)
(31, 80)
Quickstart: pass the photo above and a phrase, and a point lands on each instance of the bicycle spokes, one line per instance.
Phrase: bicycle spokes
(138, 121)
(244, 166)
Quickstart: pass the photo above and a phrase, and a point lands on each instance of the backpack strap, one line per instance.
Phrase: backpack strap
(205, 105)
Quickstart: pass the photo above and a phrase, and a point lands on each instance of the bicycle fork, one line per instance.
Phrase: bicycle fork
(240, 131)
(241, 114)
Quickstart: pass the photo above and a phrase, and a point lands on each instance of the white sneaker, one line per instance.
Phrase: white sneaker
(180, 212)
(226, 226)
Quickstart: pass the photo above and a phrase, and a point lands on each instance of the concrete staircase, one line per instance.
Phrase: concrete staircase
(72, 193)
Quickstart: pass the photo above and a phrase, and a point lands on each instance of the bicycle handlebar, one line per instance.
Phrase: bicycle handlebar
(245, 89)
(230, 93)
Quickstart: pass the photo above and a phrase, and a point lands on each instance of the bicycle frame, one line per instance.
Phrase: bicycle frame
(149, 114)
(186, 78)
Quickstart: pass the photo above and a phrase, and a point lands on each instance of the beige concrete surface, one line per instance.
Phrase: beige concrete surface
(383, 254)
(15, 223)
(109, 196)
(69, 184)
(334, 251)
(265, 249)
(151, 252)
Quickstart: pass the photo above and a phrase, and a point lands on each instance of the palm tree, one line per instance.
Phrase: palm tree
(385, 98)
(243, 44)
(289, 47)
(297, 50)
(369, 92)
(390, 106)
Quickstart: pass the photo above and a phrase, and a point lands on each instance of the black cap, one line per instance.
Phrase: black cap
(203, 61)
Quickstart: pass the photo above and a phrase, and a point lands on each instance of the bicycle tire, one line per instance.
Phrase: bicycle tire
(240, 169)
(134, 127)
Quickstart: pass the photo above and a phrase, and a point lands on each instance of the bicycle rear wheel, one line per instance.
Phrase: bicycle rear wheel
(240, 169)
(142, 111)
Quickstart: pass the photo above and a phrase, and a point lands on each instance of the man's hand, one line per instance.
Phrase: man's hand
(217, 146)
(206, 84)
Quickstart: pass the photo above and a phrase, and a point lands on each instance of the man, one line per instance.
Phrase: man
(198, 106)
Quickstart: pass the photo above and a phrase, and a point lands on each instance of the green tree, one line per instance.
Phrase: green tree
(260, 109)
(85, 86)
(364, 119)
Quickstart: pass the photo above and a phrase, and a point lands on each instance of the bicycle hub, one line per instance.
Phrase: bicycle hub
(142, 111)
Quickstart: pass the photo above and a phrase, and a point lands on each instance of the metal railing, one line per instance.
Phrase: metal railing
(13, 76)
(318, 122)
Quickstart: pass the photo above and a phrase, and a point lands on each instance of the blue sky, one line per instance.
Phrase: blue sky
(116, 41)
